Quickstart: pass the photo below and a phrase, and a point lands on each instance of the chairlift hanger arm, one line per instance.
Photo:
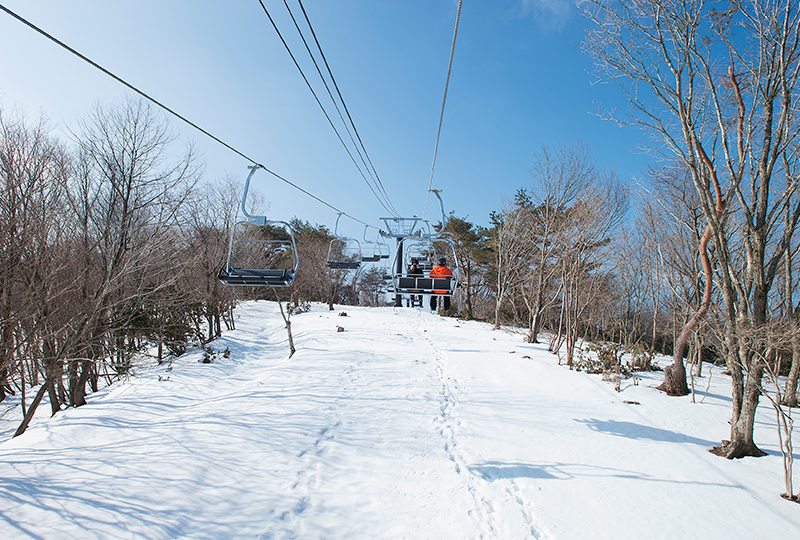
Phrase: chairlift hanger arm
(441, 205)
(336, 227)
(255, 220)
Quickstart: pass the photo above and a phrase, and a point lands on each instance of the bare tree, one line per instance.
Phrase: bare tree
(209, 218)
(33, 169)
(592, 221)
(128, 196)
(674, 218)
(723, 104)
(513, 251)
(372, 287)
(124, 198)
(560, 176)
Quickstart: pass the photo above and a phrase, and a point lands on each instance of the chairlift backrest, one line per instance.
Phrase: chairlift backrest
(422, 250)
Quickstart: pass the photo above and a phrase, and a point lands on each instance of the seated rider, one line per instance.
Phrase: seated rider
(441, 271)
(416, 271)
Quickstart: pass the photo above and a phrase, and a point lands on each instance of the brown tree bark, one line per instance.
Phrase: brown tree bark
(46, 387)
(675, 374)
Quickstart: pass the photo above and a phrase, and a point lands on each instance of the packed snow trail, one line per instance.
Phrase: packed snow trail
(404, 425)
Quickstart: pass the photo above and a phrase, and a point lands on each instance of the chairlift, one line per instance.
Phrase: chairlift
(344, 253)
(414, 243)
(373, 251)
(261, 252)
(424, 250)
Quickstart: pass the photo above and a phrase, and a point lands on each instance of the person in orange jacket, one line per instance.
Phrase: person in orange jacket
(440, 271)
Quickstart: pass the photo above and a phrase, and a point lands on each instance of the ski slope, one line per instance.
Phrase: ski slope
(404, 425)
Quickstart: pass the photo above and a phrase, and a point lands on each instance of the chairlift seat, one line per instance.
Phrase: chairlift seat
(371, 258)
(256, 278)
(344, 265)
(423, 285)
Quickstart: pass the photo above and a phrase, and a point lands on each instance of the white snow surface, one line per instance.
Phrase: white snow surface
(404, 425)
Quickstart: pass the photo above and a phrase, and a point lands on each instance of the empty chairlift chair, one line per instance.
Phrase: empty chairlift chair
(344, 253)
(373, 251)
(261, 252)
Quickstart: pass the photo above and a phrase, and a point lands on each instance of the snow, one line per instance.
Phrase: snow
(404, 425)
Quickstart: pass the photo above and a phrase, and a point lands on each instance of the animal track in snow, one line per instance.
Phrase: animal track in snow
(483, 511)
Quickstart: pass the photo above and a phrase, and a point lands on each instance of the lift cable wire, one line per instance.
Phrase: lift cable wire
(316, 98)
(172, 112)
(441, 116)
(360, 150)
(347, 112)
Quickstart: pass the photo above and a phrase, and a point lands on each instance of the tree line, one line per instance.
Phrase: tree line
(110, 245)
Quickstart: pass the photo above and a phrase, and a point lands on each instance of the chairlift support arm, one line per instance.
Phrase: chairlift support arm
(441, 205)
(254, 220)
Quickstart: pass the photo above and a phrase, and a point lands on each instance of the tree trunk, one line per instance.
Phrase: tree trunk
(698, 368)
(46, 387)
(790, 391)
(22, 385)
(536, 324)
(59, 391)
(288, 322)
(555, 343)
(675, 374)
(468, 292)
(674, 380)
(79, 391)
(217, 324)
(72, 381)
(656, 303)
(743, 421)
(496, 313)
(55, 401)
(3, 383)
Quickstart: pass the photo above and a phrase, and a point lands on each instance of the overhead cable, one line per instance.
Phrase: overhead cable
(316, 98)
(359, 147)
(444, 101)
(172, 112)
(344, 105)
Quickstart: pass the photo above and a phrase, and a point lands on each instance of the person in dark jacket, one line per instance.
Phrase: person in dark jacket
(415, 271)
(441, 271)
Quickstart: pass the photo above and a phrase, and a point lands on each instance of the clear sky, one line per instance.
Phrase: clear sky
(519, 81)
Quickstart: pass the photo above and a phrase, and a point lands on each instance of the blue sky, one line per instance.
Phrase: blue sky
(519, 81)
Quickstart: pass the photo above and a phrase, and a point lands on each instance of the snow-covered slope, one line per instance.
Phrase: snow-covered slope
(404, 425)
